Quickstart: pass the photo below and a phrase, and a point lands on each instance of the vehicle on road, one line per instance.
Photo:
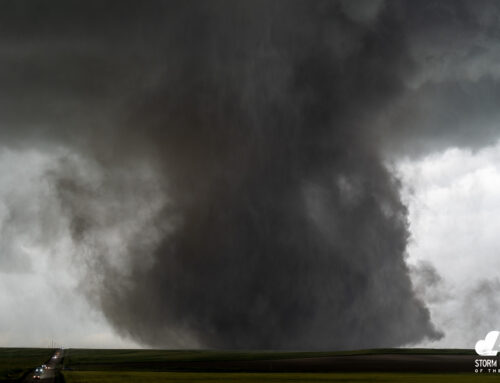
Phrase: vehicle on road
(38, 373)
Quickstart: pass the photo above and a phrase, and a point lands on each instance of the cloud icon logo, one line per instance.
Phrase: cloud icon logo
(485, 347)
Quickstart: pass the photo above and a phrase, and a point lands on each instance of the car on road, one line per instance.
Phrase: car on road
(38, 373)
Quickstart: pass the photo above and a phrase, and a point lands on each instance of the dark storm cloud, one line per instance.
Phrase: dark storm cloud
(265, 124)
(452, 100)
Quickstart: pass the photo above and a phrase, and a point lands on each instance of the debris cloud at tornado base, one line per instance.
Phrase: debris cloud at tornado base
(284, 229)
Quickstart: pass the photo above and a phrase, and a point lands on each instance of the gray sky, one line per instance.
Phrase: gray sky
(268, 174)
(453, 199)
(41, 300)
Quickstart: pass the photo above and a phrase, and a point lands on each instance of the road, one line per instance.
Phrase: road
(49, 374)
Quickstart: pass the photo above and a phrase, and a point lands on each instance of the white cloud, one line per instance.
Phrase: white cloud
(38, 277)
(454, 210)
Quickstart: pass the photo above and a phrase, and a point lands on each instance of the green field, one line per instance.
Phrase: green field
(133, 360)
(14, 362)
(184, 377)
(136, 366)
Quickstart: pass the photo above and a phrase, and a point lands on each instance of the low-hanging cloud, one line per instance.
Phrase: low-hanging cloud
(283, 228)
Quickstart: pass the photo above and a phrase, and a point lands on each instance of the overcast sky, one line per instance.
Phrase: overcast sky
(454, 199)
(266, 174)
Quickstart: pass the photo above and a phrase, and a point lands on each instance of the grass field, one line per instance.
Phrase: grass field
(91, 359)
(136, 366)
(184, 377)
(14, 362)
